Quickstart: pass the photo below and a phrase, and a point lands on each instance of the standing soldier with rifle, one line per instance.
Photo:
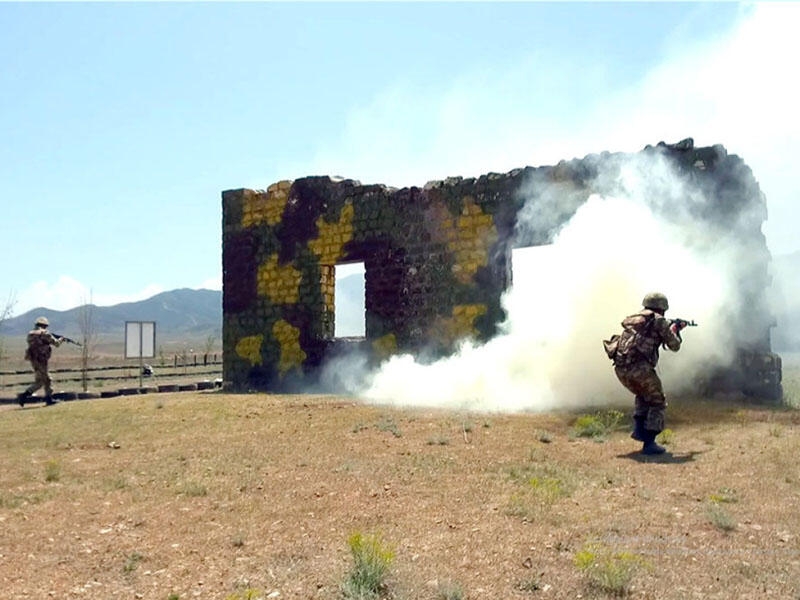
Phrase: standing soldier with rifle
(635, 356)
(40, 347)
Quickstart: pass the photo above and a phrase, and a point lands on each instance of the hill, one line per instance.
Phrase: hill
(177, 313)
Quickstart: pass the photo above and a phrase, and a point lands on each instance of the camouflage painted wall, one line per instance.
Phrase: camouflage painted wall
(437, 260)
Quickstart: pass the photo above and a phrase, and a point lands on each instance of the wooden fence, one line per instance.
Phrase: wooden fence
(204, 367)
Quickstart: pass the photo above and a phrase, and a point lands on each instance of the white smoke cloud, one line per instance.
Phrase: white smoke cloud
(570, 295)
(734, 89)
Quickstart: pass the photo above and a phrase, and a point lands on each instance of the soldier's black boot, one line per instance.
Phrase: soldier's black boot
(48, 401)
(638, 429)
(650, 446)
(21, 397)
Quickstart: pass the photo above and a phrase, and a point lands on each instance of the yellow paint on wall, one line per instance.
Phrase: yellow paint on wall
(292, 355)
(265, 207)
(249, 348)
(460, 325)
(469, 238)
(333, 236)
(281, 284)
(385, 346)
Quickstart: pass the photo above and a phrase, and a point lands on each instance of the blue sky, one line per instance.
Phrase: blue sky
(122, 123)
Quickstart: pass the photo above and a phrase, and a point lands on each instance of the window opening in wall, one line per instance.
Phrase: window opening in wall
(349, 293)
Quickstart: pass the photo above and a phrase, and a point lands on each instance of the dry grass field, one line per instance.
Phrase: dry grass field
(220, 496)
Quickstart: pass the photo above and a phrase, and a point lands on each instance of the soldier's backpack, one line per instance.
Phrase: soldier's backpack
(38, 350)
(636, 341)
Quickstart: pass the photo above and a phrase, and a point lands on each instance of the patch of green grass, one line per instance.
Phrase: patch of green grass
(724, 495)
(132, 562)
(388, 424)
(541, 486)
(531, 584)
(371, 561)
(17, 500)
(119, 482)
(193, 489)
(598, 425)
(608, 570)
(449, 591)
(247, 594)
(52, 471)
(438, 440)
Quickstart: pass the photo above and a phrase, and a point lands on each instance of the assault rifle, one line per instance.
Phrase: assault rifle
(66, 339)
(681, 324)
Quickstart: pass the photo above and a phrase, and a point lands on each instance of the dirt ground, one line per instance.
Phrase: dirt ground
(212, 495)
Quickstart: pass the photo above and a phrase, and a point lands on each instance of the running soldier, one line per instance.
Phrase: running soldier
(40, 347)
(635, 356)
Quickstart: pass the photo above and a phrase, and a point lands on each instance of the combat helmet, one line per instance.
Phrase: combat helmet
(656, 301)
(42, 322)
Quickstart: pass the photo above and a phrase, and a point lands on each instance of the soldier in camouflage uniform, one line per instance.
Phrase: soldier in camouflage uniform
(40, 347)
(635, 363)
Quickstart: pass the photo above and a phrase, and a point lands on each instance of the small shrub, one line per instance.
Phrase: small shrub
(449, 591)
(371, 561)
(546, 482)
(606, 570)
(173, 597)
(598, 425)
(721, 518)
(52, 471)
(666, 437)
(549, 489)
(531, 584)
(544, 437)
(132, 562)
(193, 489)
(388, 424)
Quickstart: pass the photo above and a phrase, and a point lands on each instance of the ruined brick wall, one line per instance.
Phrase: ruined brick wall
(437, 261)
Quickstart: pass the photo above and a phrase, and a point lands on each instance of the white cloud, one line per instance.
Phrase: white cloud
(67, 292)
(212, 283)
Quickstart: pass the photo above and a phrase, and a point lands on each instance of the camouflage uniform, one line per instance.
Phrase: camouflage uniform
(635, 366)
(40, 348)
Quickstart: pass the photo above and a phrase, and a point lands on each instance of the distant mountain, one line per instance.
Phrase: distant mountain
(178, 313)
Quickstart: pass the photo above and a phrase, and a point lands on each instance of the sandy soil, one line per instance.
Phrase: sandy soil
(210, 495)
